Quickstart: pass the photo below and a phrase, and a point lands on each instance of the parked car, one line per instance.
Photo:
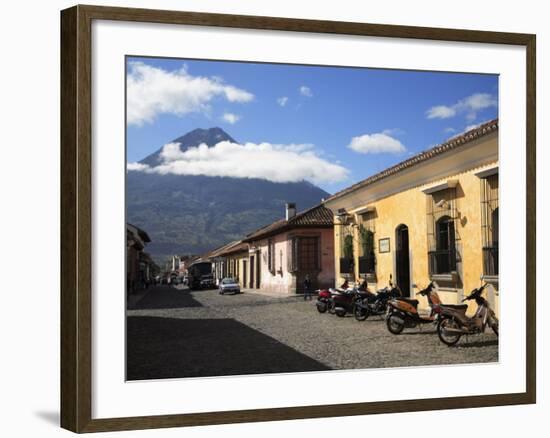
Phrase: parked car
(229, 285)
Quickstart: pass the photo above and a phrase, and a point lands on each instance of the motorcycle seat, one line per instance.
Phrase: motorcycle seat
(454, 306)
(411, 301)
(368, 295)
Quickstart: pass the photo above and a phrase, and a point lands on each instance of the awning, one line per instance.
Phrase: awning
(448, 184)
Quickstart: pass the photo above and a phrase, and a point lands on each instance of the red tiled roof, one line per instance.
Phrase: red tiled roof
(315, 217)
(453, 143)
(218, 251)
(233, 248)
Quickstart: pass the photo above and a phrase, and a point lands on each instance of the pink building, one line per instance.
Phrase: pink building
(281, 254)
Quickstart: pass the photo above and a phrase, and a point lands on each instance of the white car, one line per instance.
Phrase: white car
(229, 285)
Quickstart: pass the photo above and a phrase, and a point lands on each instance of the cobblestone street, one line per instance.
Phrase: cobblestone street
(174, 332)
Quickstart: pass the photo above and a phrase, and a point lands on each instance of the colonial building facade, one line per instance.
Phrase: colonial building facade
(230, 261)
(140, 268)
(432, 217)
(281, 254)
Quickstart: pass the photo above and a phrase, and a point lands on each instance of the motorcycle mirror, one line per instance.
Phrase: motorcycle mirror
(414, 286)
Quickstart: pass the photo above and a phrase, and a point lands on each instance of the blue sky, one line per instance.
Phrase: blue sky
(335, 126)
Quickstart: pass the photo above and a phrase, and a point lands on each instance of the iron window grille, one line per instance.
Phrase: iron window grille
(489, 224)
(367, 258)
(304, 254)
(347, 261)
(271, 256)
(442, 232)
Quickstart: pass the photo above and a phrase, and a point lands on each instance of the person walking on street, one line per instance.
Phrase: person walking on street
(307, 288)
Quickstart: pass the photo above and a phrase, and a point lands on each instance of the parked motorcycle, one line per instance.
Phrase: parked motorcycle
(403, 312)
(454, 323)
(375, 303)
(324, 299)
(346, 301)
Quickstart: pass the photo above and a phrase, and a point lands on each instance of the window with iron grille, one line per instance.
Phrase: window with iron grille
(304, 254)
(367, 258)
(346, 249)
(271, 256)
(442, 235)
(489, 224)
(308, 254)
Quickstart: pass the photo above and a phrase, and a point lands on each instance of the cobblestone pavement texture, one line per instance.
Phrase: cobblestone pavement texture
(174, 332)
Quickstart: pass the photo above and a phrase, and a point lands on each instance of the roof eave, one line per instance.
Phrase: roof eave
(283, 230)
(481, 131)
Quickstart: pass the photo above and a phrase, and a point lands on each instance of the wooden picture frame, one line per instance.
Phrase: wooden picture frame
(384, 245)
(76, 217)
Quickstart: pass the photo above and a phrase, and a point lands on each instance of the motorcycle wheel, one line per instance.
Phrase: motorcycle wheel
(494, 325)
(321, 307)
(331, 308)
(446, 338)
(360, 313)
(340, 312)
(394, 326)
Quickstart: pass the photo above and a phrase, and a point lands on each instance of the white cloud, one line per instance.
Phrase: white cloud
(376, 143)
(282, 101)
(478, 101)
(231, 118)
(272, 162)
(152, 91)
(440, 112)
(469, 106)
(137, 166)
(306, 91)
(449, 130)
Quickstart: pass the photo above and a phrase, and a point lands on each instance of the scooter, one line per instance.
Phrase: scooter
(454, 323)
(375, 303)
(403, 312)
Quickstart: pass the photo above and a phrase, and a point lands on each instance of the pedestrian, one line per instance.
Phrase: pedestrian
(307, 288)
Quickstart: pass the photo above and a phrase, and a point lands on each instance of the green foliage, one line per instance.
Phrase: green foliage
(348, 246)
(366, 240)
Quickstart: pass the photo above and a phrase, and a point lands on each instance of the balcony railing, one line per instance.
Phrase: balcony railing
(490, 260)
(442, 261)
(367, 264)
(346, 265)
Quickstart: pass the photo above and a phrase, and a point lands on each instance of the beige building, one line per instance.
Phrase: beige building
(431, 217)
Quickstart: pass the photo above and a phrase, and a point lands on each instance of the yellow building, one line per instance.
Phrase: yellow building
(237, 259)
(432, 217)
(231, 261)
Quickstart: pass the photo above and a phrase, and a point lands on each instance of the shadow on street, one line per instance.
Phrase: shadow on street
(165, 297)
(161, 348)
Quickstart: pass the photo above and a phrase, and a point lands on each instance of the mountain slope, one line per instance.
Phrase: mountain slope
(193, 214)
